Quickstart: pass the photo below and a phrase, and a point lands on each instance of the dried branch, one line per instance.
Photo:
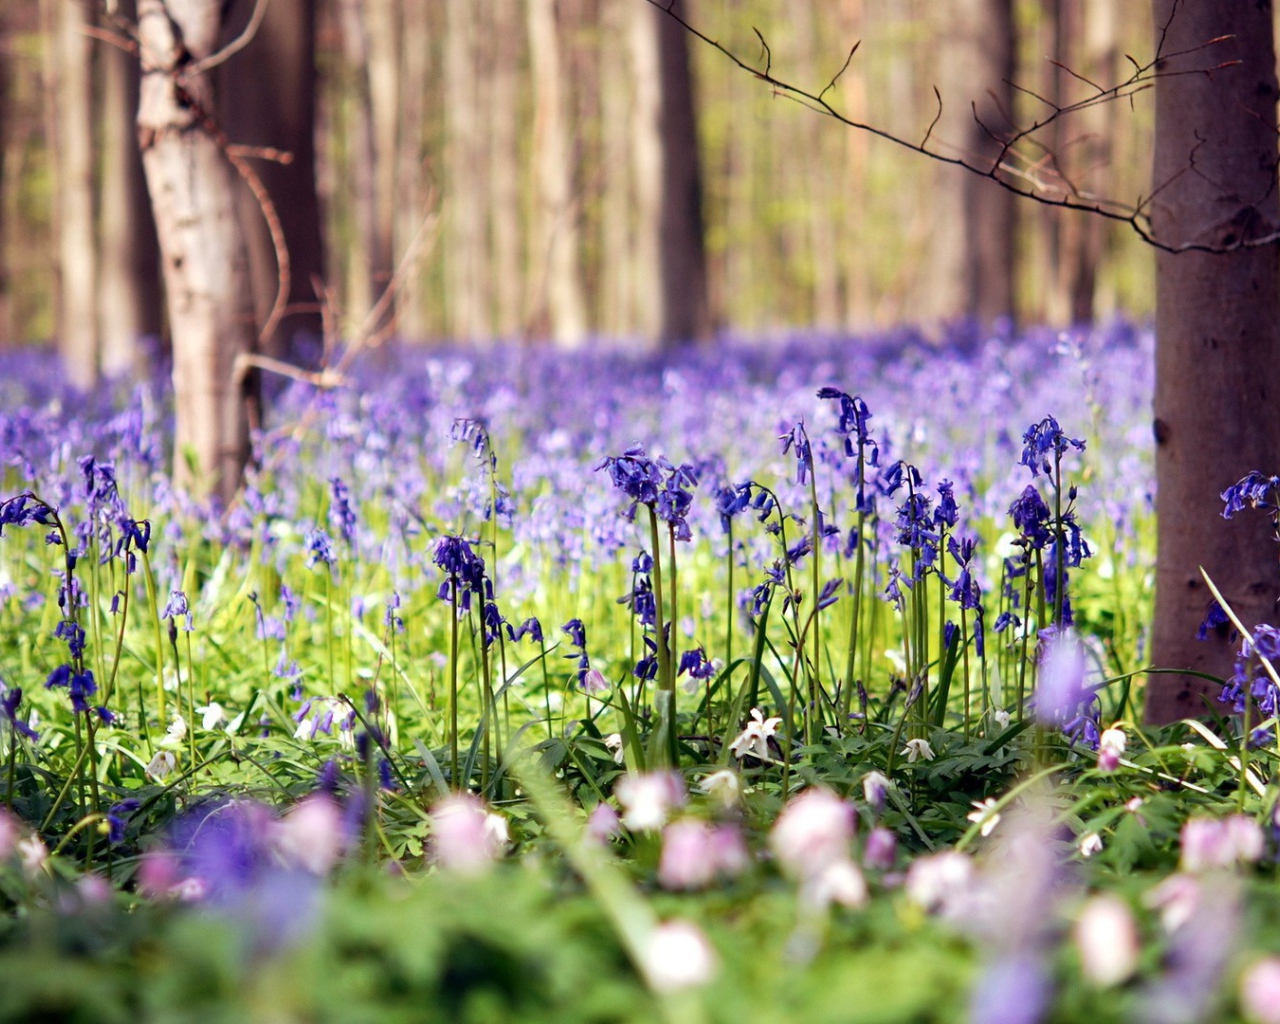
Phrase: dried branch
(1010, 169)
(232, 48)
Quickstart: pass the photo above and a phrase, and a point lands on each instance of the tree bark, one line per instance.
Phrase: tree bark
(266, 96)
(466, 311)
(671, 249)
(974, 219)
(129, 295)
(557, 246)
(77, 278)
(1217, 400)
(202, 246)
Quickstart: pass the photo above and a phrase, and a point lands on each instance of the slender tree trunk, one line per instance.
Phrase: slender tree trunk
(77, 292)
(410, 191)
(973, 265)
(505, 32)
(129, 295)
(467, 317)
(672, 255)
(557, 248)
(202, 246)
(1217, 402)
(362, 160)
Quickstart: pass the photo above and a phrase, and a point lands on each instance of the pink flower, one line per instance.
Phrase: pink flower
(1110, 746)
(812, 831)
(942, 882)
(1260, 991)
(1107, 939)
(647, 800)
(603, 823)
(466, 838)
(694, 853)
(1209, 843)
(310, 835)
(839, 882)
(678, 956)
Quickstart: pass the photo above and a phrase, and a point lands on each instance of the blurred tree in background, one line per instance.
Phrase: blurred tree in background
(554, 137)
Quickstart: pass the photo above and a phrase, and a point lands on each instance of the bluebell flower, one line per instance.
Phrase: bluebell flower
(118, 818)
(456, 558)
(901, 472)
(964, 588)
(797, 441)
(177, 606)
(695, 663)
(1031, 517)
(9, 707)
(1042, 440)
(341, 514)
(946, 513)
(854, 417)
(23, 510)
(390, 620)
(1252, 491)
(1249, 676)
(1214, 619)
(530, 628)
(730, 501)
(73, 633)
(319, 548)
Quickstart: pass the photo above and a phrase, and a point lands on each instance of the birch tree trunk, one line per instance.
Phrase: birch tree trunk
(202, 246)
(1217, 401)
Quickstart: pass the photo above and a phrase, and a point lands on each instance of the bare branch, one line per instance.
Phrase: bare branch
(1005, 170)
(843, 68)
(233, 47)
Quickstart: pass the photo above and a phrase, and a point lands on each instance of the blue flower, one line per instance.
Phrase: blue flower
(1252, 491)
(9, 707)
(118, 818)
(177, 605)
(1042, 440)
(1031, 517)
(319, 548)
(797, 440)
(341, 514)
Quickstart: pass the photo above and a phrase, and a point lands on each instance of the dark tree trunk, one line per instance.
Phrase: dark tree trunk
(672, 260)
(267, 98)
(1217, 403)
(974, 219)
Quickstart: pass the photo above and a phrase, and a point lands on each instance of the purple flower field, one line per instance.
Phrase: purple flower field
(794, 682)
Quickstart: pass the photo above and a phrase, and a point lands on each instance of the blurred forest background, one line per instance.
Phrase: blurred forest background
(527, 145)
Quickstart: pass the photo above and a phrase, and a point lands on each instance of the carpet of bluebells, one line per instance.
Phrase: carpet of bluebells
(788, 682)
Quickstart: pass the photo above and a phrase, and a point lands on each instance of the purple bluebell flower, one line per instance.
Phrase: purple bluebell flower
(695, 662)
(177, 605)
(319, 548)
(341, 514)
(1031, 517)
(9, 707)
(1042, 440)
(797, 440)
(118, 818)
(1252, 491)
(23, 510)
(73, 633)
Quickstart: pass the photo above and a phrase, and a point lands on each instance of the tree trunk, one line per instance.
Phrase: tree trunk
(503, 79)
(363, 162)
(557, 245)
(410, 191)
(467, 316)
(973, 229)
(77, 291)
(266, 95)
(129, 295)
(1217, 401)
(202, 246)
(672, 255)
